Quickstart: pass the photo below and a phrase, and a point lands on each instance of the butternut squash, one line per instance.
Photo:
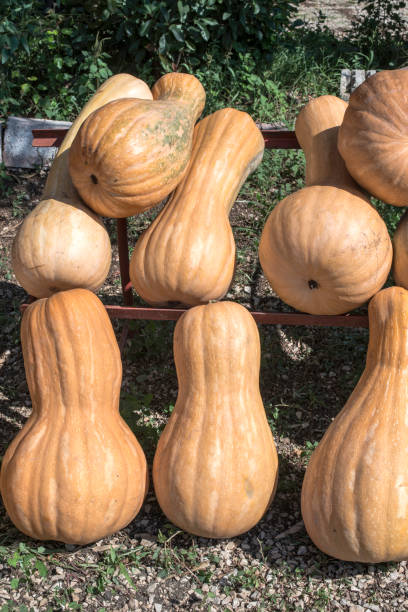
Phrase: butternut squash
(400, 248)
(215, 467)
(130, 154)
(188, 253)
(355, 490)
(75, 472)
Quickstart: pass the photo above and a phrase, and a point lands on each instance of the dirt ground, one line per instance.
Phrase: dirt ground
(339, 15)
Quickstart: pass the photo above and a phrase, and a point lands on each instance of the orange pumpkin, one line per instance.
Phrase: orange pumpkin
(373, 138)
(130, 154)
(75, 472)
(325, 249)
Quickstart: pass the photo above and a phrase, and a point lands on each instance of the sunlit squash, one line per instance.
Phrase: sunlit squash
(355, 491)
(62, 244)
(130, 154)
(215, 467)
(373, 138)
(400, 248)
(325, 249)
(75, 472)
(188, 253)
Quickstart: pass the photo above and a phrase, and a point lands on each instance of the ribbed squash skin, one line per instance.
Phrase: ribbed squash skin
(373, 138)
(317, 127)
(355, 491)
(215, 467)
(62, 244)
(130, 154)
(188, 253)
(75, 472)
(400, 249)
(325, 249)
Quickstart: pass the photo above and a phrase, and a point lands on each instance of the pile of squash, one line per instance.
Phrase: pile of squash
(76, 472)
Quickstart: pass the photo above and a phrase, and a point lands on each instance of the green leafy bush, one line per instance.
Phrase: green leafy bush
(253, 55)
(52, 58)
(168, 32)
(380, 32)
(43, 53)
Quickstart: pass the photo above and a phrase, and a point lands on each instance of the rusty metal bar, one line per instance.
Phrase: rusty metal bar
(123, 249)
(48, 138)
(265, 318)
(274, 138)
(280, 139)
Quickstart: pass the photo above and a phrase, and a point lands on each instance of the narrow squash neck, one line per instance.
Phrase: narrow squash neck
(317, 128)
(227, 147)
(117, 86)
(217, 356)
(71, 356)
(180, 87)
(388, 320)
(59, 185)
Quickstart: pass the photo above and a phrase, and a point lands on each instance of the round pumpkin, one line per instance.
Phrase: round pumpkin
(373, 138)
(325, 249)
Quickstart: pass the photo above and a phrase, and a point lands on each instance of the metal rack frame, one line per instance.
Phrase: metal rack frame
(274, 139)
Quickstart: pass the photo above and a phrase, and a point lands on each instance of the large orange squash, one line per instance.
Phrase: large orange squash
(373, 138)
(130, 154)
(75, 472)
(325, 249)
(215, 467)
(62, 244)
(355, 491)
(188, 253)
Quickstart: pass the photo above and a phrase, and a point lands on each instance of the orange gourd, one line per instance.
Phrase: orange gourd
(373, 137)
(75, 472)
(62, 244)
(325, 249)
(215, 467)
(130, 154)
(355, 490)
(188, 252)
